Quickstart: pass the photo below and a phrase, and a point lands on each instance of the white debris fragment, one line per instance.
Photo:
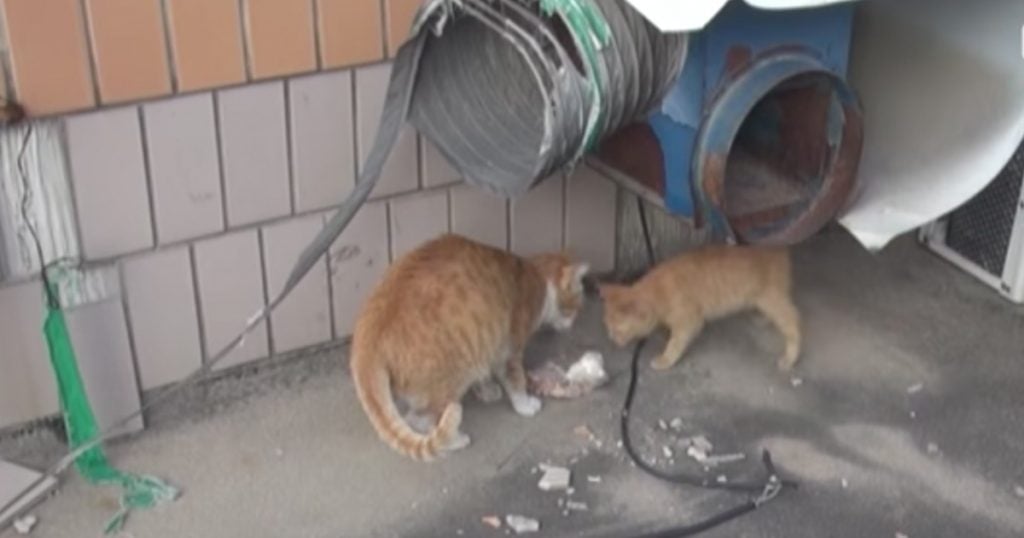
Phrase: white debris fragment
(662, 424)
(588, 371)
(522, 524)
(697, 454)
(932, 448)
(720, 459)
(901, 535)
(676, 424)
(913, 414)
(570, 491)
(666, 451)
(702, 443)
(1018, 491)
(721, 479)
(278, 452)
(844, 483)
(554, 478)
(491, 521)
(24, 525)
(796, 381)
(459, 532)
(593, 479)
(915, 388)
(577, 506)
(583, 376)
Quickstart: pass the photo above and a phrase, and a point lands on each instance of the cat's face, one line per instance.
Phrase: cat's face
(625, 318)
(564, 289)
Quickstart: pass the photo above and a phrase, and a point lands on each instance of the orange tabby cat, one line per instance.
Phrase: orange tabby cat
(702, 285)
(450, 315)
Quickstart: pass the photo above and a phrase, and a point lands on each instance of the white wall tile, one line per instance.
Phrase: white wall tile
(358, 259)
(590, 218)
(322, 143)
(480, 215)
(416, 219)
(304, 317)
(27, 384)
(537, 219)
(401, 171)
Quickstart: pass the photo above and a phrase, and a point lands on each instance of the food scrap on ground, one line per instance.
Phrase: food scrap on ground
(583, 376)
(522, 524)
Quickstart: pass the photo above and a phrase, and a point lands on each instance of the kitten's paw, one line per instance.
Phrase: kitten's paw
(786, 363)
(661, 364)
(458, 442)
(526, 405)
(487, 391)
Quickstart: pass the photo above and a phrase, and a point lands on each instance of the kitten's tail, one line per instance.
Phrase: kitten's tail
(374, 388)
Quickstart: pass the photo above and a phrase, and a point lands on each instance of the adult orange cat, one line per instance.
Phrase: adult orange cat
(707, 283)
(450, 315)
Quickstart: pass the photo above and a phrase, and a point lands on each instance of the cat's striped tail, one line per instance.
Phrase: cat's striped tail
(374, 388)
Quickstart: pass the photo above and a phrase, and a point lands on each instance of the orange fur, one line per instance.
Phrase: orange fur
(703, 285)
(446, 317)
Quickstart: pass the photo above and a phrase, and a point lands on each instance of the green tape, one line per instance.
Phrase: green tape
(138, 491)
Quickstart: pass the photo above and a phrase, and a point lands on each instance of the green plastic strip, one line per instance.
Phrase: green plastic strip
(592, 34)
(138, 491)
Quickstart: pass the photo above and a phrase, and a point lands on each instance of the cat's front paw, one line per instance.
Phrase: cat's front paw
(458, 442)
(662, 364)
(526, 405)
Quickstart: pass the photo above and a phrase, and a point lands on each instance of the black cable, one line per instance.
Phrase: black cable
(766, 490)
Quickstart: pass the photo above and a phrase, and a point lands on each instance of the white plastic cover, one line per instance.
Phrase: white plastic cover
(942, 83)
(690, 15)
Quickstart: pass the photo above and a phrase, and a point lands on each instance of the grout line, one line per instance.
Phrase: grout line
(384, 31)
(243, 20)
(172, 69)
(508, 224)
(129, 328)
(264, 279)
(317, 50)
(221, 172)
(90, 52)
(357, 160)
(390, 232)
(332, 315)
(289, 144)
(197, 297)
(448, 203)
(76, 219)
(148, 172)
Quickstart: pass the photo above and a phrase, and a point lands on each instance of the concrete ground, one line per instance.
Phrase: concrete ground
(297, 457)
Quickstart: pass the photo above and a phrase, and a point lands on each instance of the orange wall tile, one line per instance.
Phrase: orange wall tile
(350, 32)
(280, 37)
(206, 38)
(48, 55)
(399, 15)
(128, 49)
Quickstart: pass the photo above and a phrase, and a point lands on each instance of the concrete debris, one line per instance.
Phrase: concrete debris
(577, 506)
(278, 452)
(676, 424)
(796, 381)
(721, 479)
(932, 448)
(554, 478)
(522, 524)
(666, 451)
(583, 431)
(560, 502)
(593, 479)
(845, 483)
(24, 525)
(459, 532)
(583, 376)
(662, 424)
(1018, 491)
(901, 535)
(702, 443)
(570, 491)
(491, 521)
(913, 414)
(565, 513)
(697, 454)
(722, 459)
(915, 388)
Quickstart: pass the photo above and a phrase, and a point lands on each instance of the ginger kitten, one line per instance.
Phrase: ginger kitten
(702, 285)
(450, 315)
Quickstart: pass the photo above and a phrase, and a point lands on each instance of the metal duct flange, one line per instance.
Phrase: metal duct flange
(777, 153)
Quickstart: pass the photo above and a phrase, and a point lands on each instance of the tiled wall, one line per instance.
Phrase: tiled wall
(202, 202)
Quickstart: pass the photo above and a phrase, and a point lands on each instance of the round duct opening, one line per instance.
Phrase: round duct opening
(777, 156)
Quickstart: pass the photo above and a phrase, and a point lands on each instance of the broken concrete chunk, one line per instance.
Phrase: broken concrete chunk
(697, 454)
(554, 478)
(796, 381)
(1018, 491)
(24, 525)
(594, 479)
(577, 506)
(721, 459)
(492, 521)
(932, 448)
(915, 388)
(666, 451)
(522, 524)
(845, 483)
(702, 443)
(662, 424)
(901, 535)
(676, 424)
(721, 479)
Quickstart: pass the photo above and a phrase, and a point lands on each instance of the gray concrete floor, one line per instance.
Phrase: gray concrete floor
(299, 459)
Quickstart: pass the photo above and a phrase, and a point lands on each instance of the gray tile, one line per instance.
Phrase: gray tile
(416, 219)
(479, 215)
(254, 152)
(162, 315)
(181, 140)
(322, 143)
(304, 317)
(100, 339)
(436, 170)
(590, 218)
(27, 385)
(230, 278)
(109, 178)
(358, 259)
(400, 172)
(537, 219)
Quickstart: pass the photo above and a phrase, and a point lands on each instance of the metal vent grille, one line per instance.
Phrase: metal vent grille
(980, 230)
